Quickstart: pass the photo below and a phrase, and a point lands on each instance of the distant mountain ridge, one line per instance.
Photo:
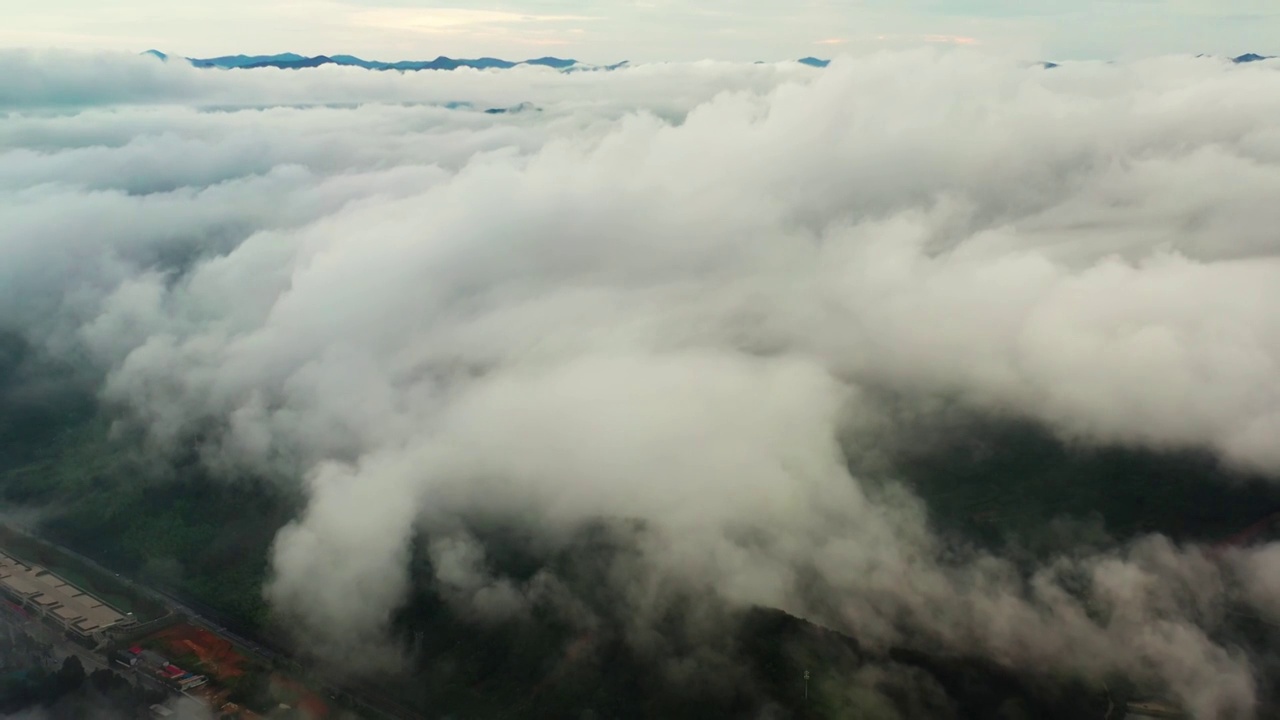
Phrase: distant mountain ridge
(1047, 65)
(294, 61)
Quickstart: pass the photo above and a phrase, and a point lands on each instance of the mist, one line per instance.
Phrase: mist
(672, 295)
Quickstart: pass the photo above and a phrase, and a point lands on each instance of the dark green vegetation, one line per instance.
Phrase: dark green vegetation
(755, 669)
(203, 539)
(98, 492)
(1009, 484)
(177, 530)
(993, 483)
(74, 570)
(68, 694)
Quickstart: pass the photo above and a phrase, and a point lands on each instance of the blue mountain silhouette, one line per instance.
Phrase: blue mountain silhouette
(294, 61)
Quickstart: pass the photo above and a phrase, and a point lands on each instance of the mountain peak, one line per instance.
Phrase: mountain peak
(555, 62)
(295, 61)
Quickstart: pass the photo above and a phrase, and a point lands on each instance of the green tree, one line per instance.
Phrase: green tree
(69, 678)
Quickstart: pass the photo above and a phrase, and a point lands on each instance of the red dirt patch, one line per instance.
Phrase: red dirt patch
(221, 658)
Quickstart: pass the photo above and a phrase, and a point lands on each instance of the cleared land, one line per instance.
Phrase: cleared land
(217, 657)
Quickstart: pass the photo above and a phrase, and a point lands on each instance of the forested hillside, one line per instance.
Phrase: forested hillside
(169, 522)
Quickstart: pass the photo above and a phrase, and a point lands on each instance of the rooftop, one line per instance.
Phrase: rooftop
(68, 603)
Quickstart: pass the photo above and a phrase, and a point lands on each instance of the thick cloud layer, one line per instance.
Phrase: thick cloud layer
(660, 294)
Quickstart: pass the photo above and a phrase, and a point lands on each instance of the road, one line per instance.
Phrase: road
(61, 646)
(174, 603)
(209, 619)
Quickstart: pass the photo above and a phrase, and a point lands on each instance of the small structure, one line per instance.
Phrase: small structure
(159, 667)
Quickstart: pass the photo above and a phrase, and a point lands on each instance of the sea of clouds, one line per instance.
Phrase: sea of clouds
(663, 294)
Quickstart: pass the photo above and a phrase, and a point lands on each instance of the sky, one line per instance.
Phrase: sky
(647, 30)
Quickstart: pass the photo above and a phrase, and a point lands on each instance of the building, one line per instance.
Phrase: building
(48, 596)
(159, 667)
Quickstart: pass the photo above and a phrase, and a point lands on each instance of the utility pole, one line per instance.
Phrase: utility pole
(806, 685)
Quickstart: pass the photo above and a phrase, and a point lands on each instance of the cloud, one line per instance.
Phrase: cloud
(663, 297)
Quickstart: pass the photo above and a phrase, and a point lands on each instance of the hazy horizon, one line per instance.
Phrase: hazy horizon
(672, 30)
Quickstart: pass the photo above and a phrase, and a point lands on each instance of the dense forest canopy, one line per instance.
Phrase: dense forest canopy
(988, 482)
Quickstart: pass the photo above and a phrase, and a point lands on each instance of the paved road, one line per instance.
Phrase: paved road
(173, 603)
(205, 617)
(62, 647)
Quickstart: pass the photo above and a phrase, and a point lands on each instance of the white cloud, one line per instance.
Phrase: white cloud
(658, 296)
